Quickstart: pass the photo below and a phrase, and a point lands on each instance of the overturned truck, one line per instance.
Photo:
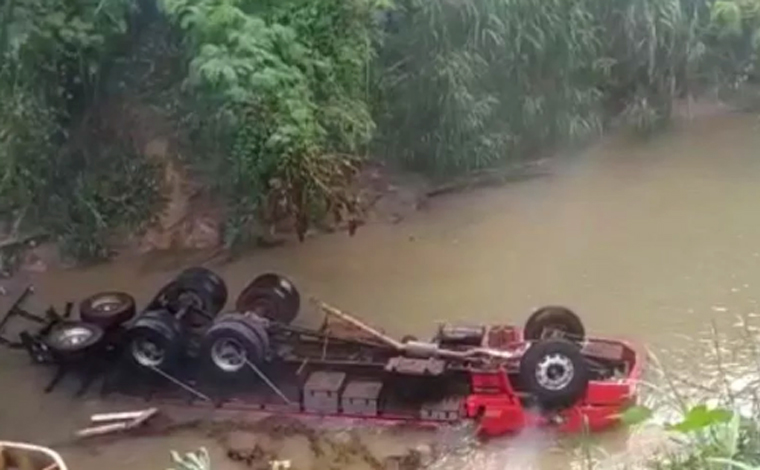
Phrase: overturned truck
(183, 348)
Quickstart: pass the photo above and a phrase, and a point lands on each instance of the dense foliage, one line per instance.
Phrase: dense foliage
(60, 167)
(476, 82)
(283, 92)
(278, 99)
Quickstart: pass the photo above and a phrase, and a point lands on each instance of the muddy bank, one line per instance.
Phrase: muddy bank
(258, 443)
(193, 221)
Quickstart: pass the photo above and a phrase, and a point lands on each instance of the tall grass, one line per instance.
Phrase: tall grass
(472, 83)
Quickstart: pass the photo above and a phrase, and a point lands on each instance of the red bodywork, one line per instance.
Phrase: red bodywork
(497, 407)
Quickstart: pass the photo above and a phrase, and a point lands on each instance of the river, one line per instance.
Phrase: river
(650, 241)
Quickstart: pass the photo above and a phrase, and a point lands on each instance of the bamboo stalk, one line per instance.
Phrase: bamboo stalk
(361, 325)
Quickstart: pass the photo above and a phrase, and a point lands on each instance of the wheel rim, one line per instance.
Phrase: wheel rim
(554, 331)
(555, 372)
(73, 337)
(262, 305)
(285, 284)
(148, 353)
(106, 304)
(190, 298)
(228, 355)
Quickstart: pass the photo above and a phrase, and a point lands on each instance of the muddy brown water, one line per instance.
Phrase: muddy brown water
(649, 241)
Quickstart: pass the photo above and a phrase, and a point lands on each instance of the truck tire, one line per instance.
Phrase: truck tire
(272, 297)
(107, 309)
(155, 340)
(196, 288)
(231, 342)
(557, 318)
(554, 372)
(216, 283)
(73, 338)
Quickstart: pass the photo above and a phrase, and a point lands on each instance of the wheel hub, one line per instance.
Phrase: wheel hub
(72, 337)
(228, 355)
(190, 299)
(147, 353)
(106, 304)
(555, 372)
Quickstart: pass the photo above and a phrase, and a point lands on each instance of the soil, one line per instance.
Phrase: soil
(261, 445)
(192, 221)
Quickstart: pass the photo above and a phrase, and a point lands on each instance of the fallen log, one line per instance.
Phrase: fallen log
(485, 178)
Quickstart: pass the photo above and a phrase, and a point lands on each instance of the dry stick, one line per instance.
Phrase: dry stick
(361, 325)
(100, 430)
(122, 426)
(102, 417)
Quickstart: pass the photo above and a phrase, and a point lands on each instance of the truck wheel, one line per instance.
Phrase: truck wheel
(560, 319)
(198, 288)
(216, 283)
(231, 342)
(71, 338)
(107, 309)
(155, 340)
(272, 297)
(555, 373)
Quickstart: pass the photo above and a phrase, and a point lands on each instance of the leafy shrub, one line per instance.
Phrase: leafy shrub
(57, 171)
(713, 415)
(283, 85)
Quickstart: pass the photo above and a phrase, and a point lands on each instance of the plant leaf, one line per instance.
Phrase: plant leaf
(636, 415)
(699, 417)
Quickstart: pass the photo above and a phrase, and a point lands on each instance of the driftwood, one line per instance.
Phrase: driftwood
(128, 420)
(485, 178)
(99, 418)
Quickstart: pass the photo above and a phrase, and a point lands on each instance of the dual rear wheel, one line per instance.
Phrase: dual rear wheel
(235, 343)
(187, 309)
(100, 315)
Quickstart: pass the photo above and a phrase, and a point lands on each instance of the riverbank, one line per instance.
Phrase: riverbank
(193, 222)
(389, 196)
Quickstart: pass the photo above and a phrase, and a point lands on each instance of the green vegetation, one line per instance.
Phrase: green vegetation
(275, 103)
(713, 417)
(480, 82)
(283, 86)
(198, 460)
(61, 167)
